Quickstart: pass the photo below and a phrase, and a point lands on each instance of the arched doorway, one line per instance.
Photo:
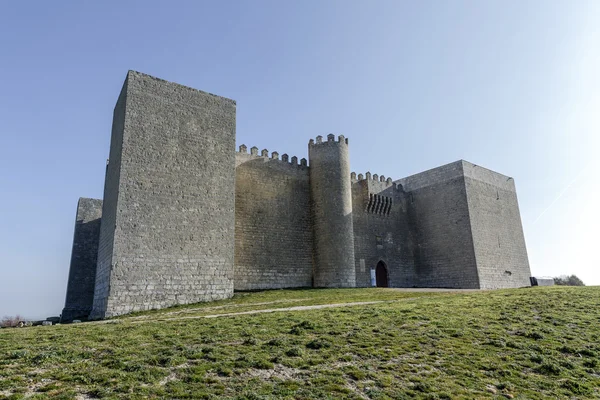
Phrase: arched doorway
(381, 275)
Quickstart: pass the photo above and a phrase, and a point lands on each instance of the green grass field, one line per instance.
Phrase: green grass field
(524, 343)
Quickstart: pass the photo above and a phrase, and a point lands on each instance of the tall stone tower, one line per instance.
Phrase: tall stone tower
(167, 230)
(331, 204)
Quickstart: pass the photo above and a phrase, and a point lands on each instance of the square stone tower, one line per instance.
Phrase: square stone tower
(82, 271)
(167, 230)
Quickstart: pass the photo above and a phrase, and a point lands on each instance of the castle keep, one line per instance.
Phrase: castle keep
(186, 218)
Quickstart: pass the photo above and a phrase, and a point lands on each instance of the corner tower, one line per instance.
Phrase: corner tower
(167, 230)
(331, 204)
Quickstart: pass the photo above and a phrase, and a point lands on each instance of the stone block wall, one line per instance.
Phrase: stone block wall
(439, 219)
(82, 272)
(498, 238)
(109, 209)
(273, 231)
(172, 175)
(381, 231)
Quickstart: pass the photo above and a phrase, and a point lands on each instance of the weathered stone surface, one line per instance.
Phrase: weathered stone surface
(496, 228)
(168, 237)
(186, 218)
(273, 231)
(381, 232)
(467, 228)
(438, 214)
(331, 203)
(82, 272)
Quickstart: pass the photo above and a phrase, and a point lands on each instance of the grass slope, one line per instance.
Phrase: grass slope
(524, 343)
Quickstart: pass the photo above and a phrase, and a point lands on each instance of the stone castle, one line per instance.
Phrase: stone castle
(186, 218)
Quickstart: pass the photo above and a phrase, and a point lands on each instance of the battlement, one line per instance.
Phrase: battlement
(374, 177)
(330, 139)
(285, 158)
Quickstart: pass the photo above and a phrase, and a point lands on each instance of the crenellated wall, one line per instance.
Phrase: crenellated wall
(273, 232)
(381, 231)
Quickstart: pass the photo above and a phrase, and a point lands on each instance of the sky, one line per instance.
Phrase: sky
(511, 86)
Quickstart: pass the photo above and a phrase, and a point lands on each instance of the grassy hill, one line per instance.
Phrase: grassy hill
(524, 343)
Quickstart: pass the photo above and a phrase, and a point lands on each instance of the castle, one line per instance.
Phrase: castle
(186, 218)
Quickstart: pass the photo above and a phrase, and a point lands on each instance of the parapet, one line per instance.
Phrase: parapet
(330, 139)
(375, 178)
(285, 158)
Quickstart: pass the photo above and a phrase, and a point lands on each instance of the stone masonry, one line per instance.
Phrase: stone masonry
(169, 199)
(186, 218)
(82, 273)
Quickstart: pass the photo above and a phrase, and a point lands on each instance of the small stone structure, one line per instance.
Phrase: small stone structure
(541, 281)
(186, 218)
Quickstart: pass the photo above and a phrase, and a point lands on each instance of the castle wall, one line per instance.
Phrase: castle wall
(496, 227)
(184, 218)
(273, 233)
(439, 219)
(173, 240)
(381, 232)
(82, 272)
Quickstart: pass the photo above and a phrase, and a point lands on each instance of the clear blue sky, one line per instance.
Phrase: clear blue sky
(512, 86)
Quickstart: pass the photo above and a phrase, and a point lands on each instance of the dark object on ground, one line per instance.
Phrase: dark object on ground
(535, 281)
